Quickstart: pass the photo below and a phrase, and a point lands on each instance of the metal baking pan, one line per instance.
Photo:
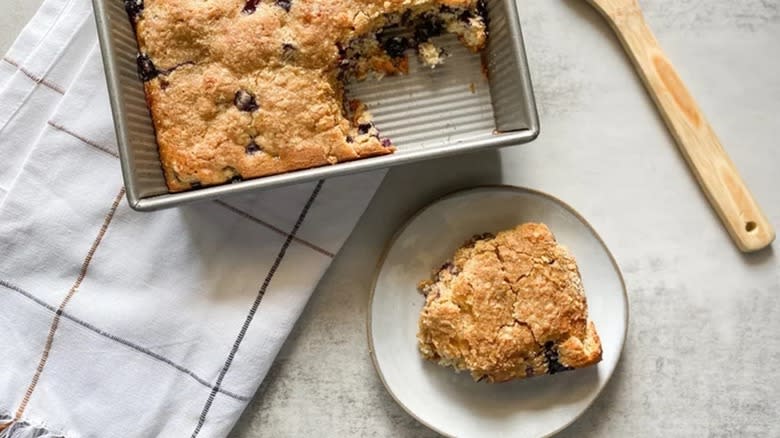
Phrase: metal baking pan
(429, 113)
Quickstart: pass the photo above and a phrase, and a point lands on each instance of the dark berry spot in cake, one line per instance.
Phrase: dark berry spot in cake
(449, 267)
(387, 143)
(482, 9)
(551, 355)
(395, 46)
(529, 371)
(350, 139)
(196, 185)
(430, 27)
(406, 16)
(250, 6)
(236, 179)
(284, 4)
(134, 9)
(288, 51)
(245, 101)
(363, 128)
(473, 241)
(146, 69)
(253, 148)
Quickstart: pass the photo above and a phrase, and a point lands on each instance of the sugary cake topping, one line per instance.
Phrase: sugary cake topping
(247, 88)
(507, 307)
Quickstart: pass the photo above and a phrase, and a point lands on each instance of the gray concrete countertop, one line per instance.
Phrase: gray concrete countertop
(702, 356)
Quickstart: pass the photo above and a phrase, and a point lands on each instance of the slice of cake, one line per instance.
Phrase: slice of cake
(508, 307)
(240, 89)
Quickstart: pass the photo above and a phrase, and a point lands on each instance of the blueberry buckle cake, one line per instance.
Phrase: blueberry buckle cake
(240, 89)
(509, 306)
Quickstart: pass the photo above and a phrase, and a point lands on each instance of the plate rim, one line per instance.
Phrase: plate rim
(511, 188)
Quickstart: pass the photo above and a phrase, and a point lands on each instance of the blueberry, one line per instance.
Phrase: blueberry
(288, 51)
(555, 367)
(146, 69)
(252, 148)
(529, 371)
(363, 128)
(482, 9)
(196, 185)
(551, 354)
(134, 9)
(387, 143)
(430, 27)
(236, 179)
(250, 6)
(449, 267)
(406, 16)
(284, 4)
(395, 46)
(245, 101)
(350, 139)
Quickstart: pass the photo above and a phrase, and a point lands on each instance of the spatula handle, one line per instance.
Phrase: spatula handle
(715, 171)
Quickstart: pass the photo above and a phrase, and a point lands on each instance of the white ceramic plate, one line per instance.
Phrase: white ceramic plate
(450, 403)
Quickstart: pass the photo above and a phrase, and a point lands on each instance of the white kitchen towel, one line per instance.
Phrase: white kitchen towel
(115, 323)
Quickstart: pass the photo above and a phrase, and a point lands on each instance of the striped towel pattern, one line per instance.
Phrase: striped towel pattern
(118, 323)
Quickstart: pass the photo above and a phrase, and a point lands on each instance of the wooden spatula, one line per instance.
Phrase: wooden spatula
(716, 173)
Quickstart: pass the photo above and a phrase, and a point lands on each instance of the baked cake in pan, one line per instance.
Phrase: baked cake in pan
(240, 89)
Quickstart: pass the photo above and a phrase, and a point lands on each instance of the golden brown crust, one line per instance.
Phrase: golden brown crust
(508, 307)
(284, 57)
